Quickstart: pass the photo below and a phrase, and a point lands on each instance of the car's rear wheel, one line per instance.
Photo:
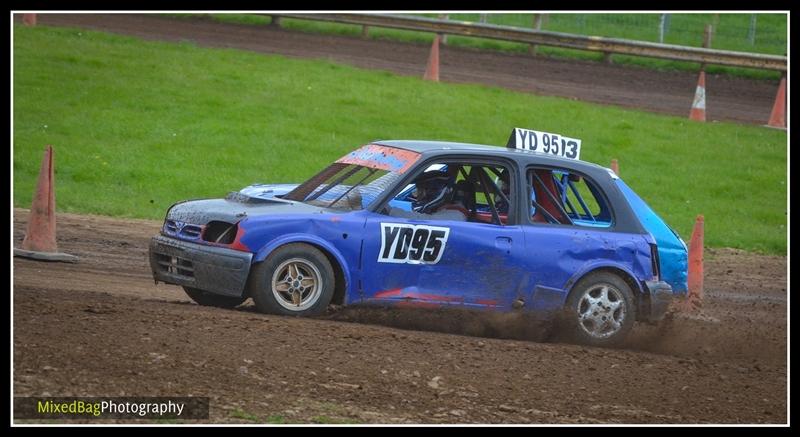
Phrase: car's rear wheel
(205, 298)
(296, 279)
(600, 310)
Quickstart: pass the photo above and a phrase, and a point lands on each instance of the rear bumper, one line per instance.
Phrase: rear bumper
(213, 269)
(661, 296)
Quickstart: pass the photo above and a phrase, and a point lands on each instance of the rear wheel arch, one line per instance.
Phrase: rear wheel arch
(623, 274)
(640, 298)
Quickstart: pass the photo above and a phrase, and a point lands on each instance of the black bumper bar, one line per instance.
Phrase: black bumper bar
(214, 269)
(661, 296)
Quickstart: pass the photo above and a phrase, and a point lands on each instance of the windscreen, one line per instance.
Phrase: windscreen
(357, 179)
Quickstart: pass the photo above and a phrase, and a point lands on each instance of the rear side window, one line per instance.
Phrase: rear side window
(560, 197)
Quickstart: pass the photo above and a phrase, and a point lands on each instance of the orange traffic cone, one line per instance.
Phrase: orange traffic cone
(698, 111)
(40, 238)
(29, 19)
(694, 298)
(615, 167)
(432, 72)
(778, 116)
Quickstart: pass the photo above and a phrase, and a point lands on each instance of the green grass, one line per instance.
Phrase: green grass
(139, 125)
(683, 29)
(240, 414)
(276, 419)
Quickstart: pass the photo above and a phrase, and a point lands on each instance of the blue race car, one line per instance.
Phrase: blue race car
(528, 227)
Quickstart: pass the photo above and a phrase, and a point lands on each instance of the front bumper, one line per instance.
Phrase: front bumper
(214, 269)
(660, 296)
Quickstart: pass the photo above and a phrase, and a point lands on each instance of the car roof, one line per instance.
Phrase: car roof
(525, 156)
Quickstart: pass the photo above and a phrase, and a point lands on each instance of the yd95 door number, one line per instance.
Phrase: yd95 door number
(412, 244)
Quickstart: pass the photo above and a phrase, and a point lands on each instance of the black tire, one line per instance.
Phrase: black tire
(208, 299)
(310, 289)
(601, 322)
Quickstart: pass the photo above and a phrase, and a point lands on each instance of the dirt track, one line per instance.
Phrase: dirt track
(669, 92)
(102, 328)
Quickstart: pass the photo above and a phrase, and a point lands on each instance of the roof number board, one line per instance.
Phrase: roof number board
(545, 142)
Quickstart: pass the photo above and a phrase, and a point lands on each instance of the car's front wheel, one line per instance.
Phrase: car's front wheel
(296, 279)
(600, 310)
(205, 298)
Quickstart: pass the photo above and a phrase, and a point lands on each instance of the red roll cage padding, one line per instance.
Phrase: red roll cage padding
(544, 200)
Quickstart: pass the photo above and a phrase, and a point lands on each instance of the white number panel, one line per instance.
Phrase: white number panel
(412, 244)
(545, 142)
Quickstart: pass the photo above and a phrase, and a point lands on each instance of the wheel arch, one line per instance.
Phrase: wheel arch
(341, 273)
(623, 272)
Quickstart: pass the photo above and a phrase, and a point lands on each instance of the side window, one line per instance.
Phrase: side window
(491, 185)
(460, 191)
(561, 197)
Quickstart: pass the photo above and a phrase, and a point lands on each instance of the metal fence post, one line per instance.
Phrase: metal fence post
(661, 24)
(537, 24)
(706, 42)
(444, 37)
(751, 34)
(708, 35)
(276, 21)
(483, 18)
(365, 31)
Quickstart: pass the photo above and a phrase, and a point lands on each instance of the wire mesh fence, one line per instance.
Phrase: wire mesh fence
(745, 32)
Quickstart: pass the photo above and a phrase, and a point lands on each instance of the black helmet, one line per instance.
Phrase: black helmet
(435, 188)
(433, 179)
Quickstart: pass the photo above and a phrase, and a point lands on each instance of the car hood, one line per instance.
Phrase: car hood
(267, 191)
(235, 207)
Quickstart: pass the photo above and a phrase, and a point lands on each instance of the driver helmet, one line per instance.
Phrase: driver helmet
(429, 185)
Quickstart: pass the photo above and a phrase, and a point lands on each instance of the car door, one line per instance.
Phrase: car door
(568, 228)
(439, 262)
